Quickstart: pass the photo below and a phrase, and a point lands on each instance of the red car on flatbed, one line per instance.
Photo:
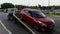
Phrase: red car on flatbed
(36, 19)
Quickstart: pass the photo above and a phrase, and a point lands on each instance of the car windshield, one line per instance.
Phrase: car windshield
(38, 14)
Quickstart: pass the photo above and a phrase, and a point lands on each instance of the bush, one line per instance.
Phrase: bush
(57, 13)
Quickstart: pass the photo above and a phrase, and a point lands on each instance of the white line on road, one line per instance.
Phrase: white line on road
(5, 27)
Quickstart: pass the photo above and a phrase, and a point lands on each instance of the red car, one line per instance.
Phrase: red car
(37, 19)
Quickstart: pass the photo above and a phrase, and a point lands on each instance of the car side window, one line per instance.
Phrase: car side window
(26, 11)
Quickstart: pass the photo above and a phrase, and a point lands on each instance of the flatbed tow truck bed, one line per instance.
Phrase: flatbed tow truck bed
(30, 29)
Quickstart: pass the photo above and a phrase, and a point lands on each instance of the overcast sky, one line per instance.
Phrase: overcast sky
(32, 2)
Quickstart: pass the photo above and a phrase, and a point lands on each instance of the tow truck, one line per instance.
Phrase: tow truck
(33, 17)
(15, 17)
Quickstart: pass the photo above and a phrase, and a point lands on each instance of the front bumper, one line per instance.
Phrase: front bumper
(48, 28)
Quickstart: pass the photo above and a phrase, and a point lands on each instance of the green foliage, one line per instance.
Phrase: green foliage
(23, 6)
(49, 7)
(52, 14)
(39, 6)
(7, 5)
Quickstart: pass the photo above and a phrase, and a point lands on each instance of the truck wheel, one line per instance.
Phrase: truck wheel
(10, 18)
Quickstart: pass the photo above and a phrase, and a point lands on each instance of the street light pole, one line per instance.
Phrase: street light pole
(48, 6)
(48, 2)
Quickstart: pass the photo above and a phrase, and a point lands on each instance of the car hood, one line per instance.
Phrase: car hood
(45, 20)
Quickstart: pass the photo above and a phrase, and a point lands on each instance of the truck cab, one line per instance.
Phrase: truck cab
(10, 12)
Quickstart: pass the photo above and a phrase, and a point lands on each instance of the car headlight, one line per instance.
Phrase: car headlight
(53, 21)
(42, 24)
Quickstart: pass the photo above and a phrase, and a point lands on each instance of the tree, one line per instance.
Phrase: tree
(7, 5)
(39, 6)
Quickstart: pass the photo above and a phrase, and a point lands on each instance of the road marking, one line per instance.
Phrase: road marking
(5, 27)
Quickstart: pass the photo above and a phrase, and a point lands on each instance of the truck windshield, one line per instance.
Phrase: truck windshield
(37, 14)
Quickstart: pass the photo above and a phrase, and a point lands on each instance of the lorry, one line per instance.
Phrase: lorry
(15, 17)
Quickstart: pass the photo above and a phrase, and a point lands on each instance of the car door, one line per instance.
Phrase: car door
(28, 18)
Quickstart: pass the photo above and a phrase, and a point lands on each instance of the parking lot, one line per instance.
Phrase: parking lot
(17, 29)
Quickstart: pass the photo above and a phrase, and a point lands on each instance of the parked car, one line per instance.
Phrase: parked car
(37, 19)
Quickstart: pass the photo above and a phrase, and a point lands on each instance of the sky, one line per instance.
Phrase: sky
(32, 2)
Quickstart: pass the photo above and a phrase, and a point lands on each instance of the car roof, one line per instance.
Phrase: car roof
(31, 9)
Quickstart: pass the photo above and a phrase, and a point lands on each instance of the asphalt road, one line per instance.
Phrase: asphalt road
(17, 29)
(3, 30)
(14, 28)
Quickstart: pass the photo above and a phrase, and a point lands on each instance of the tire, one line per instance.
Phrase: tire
(10, 18)
(52, 29)
(35, 27)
